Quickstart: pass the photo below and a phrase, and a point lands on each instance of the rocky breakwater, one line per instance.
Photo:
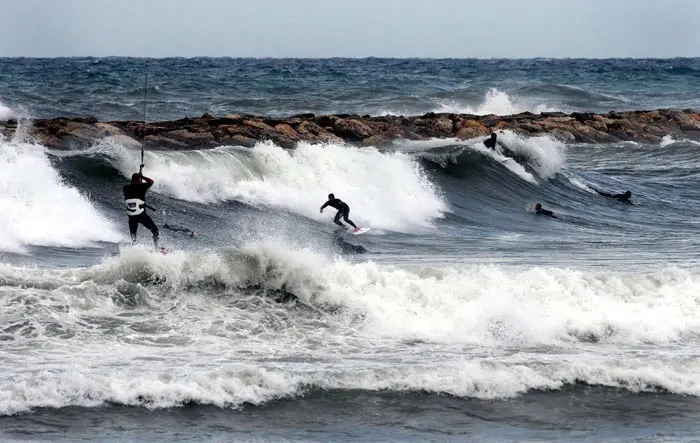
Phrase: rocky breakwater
(243, 130)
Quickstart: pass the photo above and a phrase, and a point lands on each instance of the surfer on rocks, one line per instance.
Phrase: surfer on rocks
(491, 142)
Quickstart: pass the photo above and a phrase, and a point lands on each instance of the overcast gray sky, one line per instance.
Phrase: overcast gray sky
(351, 28)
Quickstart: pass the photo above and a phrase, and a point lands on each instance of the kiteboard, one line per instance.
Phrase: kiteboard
(361, 231)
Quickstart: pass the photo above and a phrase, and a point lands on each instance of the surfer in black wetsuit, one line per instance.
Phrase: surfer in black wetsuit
(491, 142)
(539, 210)
(622, 197)
(135, 199)
(343, 211)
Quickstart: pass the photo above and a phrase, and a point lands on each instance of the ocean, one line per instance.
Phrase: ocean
(467, 318)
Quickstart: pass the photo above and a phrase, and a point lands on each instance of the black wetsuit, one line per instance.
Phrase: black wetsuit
(622, 197)
(343, 210)
(490, 142)
(546, 212)
(138, 190)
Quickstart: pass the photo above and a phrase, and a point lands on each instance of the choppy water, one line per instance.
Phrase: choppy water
(469, 318)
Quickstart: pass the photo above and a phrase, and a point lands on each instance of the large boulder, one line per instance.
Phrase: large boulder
(468, 129)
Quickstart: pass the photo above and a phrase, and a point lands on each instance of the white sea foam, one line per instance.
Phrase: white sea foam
(38, 208)
(531, 307)
(202, 333)
(6, 113)
(164, 387)
(544, 153)
(579, 183)
(158, 385)
(668, 140)
(495, 102)
(384, 190)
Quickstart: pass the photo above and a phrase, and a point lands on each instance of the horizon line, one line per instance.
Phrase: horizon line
(337, 57)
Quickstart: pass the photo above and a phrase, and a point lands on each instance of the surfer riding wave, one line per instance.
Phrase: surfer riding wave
(343, 211)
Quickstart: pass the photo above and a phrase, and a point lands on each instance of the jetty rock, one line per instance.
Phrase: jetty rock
(209, 131)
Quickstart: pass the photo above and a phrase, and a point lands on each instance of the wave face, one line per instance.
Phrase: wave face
(39, 209)
(112, 88)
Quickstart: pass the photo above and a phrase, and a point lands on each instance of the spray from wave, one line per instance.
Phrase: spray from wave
(495, 102)
(39, 208)
(6, 113)
(386, 190)
(544, 154)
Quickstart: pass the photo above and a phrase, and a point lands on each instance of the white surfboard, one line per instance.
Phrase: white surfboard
(361, 231)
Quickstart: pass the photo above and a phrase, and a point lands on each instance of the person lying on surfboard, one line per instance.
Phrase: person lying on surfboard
(343, 210)
(622, 197)
(539, 210)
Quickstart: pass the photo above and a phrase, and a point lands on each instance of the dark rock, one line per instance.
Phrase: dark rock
(238, 140)
(199, 139)
(434, 127)
(582, 117)
(351, 129)
(165, 143)
(228, 120)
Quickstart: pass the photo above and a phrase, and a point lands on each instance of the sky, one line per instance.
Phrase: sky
(351, 28)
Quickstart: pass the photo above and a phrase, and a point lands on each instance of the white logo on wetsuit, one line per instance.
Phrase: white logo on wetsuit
(134, 206)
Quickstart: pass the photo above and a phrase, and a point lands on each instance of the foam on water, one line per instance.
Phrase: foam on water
(668, 140)
(482, 331)
(38, 208)
(201, 327)
(478, 305)
(162, 386)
